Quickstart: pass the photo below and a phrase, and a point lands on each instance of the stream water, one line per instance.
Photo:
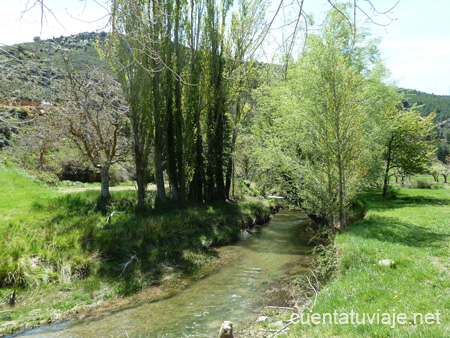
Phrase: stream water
(233, 293)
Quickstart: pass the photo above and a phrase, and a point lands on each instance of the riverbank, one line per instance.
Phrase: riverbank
(60, 256)
(411, 229)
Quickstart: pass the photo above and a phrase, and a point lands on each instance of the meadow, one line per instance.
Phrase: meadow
(412, 228)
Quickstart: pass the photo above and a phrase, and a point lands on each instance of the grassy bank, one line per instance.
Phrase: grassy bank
(412, 228)
(60, 255)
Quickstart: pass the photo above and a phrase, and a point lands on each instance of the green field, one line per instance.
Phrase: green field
(412, 228)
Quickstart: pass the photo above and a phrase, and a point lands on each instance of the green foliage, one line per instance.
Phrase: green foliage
(185, 71)
(47, 177)
(423, 185)
(325, 262)
(318, 136)
(408, 143)
(440, 105)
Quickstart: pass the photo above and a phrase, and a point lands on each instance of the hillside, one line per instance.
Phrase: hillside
(29, 70)
(430, 103)
(34, 72)
(441, 105)
(34, 83)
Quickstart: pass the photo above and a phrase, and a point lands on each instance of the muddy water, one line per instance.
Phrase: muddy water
(233, 293)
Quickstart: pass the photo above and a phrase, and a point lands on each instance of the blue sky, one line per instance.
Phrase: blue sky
(415, 46)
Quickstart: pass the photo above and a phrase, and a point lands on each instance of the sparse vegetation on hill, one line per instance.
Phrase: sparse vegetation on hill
(30, 71)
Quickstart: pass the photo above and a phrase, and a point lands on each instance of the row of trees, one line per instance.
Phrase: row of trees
(438, 168)
(185, 69)
(176, 79)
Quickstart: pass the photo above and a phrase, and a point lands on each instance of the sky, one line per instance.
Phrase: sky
(415, 46)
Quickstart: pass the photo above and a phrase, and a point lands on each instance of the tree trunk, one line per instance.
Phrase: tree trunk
(41, 159)
(196, 188)
(228, 177)
(140, 180)
(341, 198)
(388, 165)
(104, 175)
(161, 190)
(179, 146)
(230, 165)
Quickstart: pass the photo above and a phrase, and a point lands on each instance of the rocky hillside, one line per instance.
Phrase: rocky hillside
(34, 72)
(33, 75)
(34, 84)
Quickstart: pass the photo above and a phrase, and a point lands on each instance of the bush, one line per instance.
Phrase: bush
(120, 172)
(6, 131)
(76, 171)
(423, 185)
(47, 177)
(325, 261)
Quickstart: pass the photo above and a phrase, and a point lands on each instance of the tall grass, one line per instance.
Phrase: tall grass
(50, 240)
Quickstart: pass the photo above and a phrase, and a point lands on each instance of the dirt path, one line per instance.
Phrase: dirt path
(119, 188)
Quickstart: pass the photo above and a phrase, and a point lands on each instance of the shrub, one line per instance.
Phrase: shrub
(47, 177)
(325, 261)
(6, 131)
(423, 185)
(76, 171)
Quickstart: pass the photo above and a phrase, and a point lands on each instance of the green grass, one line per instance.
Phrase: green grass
(58, 253)
(412, 228)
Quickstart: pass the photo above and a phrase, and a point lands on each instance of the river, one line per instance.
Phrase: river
(234, 293)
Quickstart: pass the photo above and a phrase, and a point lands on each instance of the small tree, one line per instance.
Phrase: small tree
(407, 142)
(95, 119)
(445, 171)
(40, 139)
(436, 169)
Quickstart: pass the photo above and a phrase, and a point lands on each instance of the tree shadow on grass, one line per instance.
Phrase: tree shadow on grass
(395, 230)
(396, 200)
(133, 243)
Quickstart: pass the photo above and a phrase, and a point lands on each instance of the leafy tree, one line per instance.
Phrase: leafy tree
(191, 68)
(246, 22)
(39, 139)
(131, 65)
(324, 119)
(445, 171)
(407, 145)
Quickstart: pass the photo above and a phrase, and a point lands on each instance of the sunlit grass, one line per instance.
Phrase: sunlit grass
(413, 229)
